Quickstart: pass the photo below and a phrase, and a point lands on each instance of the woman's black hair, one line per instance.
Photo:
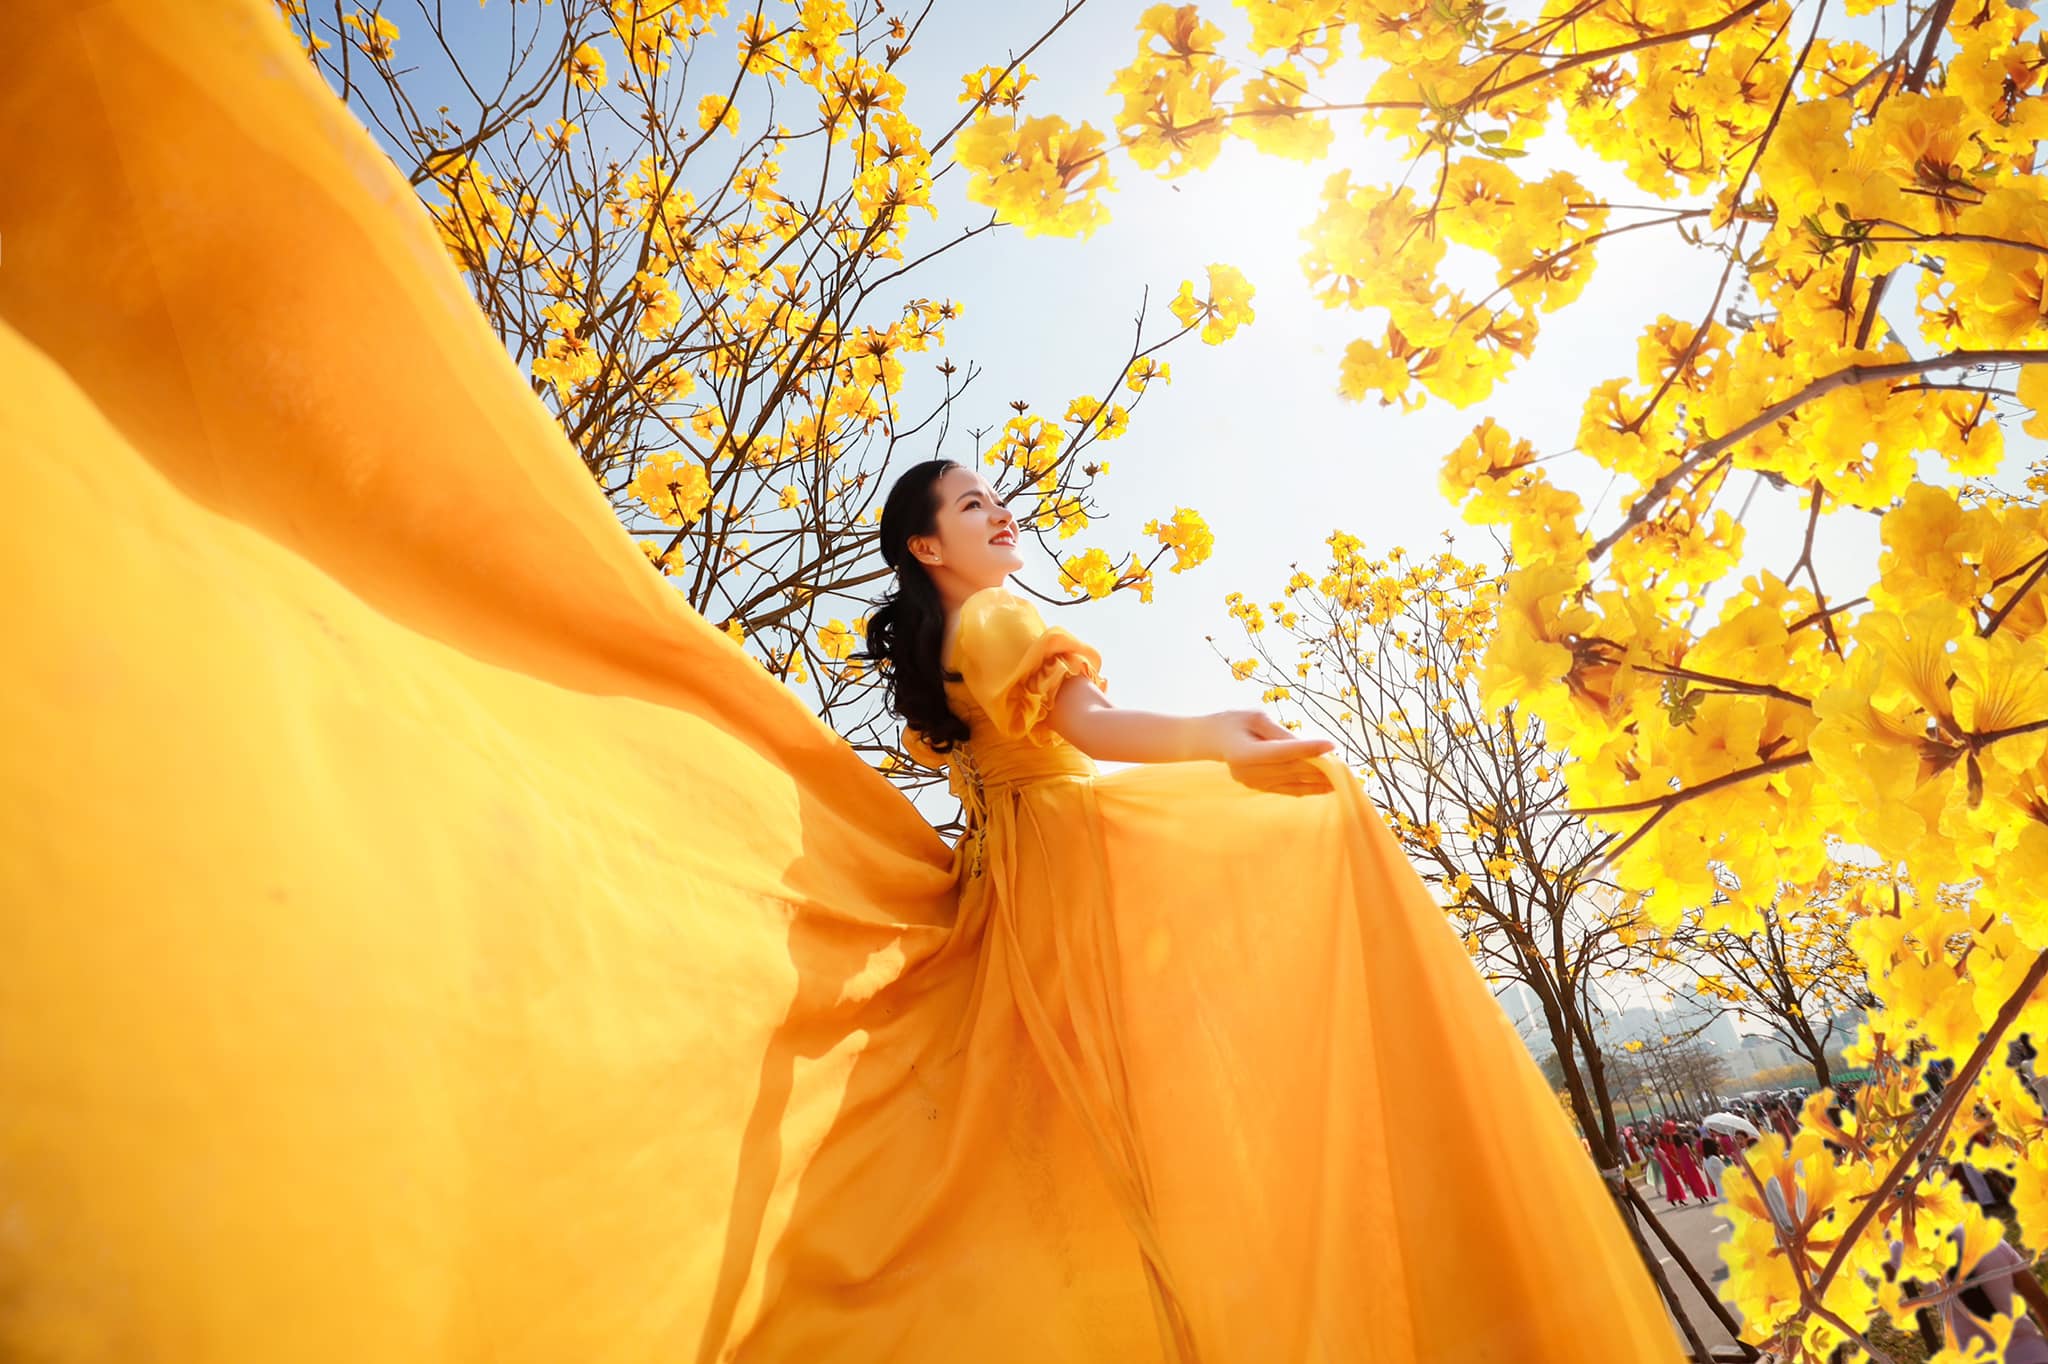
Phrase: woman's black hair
(908, 626)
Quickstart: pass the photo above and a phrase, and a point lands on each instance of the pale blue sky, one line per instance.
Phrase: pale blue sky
(1252, 433)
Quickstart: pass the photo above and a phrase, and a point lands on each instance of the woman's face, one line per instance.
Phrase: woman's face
(974, 544)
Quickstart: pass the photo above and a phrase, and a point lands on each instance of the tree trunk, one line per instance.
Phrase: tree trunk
(1603, 1101)
(1600, 1136)
(1814, 1050)
(1562, 1021)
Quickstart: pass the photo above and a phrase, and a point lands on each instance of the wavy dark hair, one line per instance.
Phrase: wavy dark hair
(908, 626)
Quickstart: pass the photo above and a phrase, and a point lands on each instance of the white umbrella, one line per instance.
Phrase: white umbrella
(1728, 1122)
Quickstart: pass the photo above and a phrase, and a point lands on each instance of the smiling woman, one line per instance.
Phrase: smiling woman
(1195, 1014)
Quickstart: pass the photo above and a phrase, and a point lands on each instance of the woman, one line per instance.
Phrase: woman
(1689, 1168)
(425, 944)
(1667, 1165)
(1715, 1163)
(1238, 987)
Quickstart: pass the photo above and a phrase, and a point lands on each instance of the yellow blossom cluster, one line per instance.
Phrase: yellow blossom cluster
(1226, 307)
(1187, 535)
(1039, 173)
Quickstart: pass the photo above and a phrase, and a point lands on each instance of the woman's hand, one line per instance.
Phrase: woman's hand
(1259, 749)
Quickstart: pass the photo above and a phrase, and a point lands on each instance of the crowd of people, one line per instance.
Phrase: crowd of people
(1689, 1155)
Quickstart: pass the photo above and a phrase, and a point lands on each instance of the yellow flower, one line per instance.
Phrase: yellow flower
(1043, 174)
(1228, 306)
(568, 362)
(713, 111)
(556, 135)
(1144, 370)
(1932, 156)
(1028, 443)
(586, 68)
(661, 307)
(668, 561)
(1170, 121)
(1092, 573)
(2033, 392)
(673, 487)
(836, 639)
(1368, 368)
(1271, 116)
(1488, 453)
(2001, 687)
(1527, 656)
(1187, 535)
(991, 85)
(379, 35)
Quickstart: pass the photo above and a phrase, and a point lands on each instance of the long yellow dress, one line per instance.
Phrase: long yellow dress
(424, 938)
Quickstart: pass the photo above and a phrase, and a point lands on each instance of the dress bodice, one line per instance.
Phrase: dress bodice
(1000, 759)
(1005, 668)
(1010, 665)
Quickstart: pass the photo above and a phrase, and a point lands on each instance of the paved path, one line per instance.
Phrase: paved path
(1699, 1232)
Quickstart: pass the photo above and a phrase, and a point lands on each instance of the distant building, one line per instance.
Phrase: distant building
(1721, 1036)
(1523, 1009)
(1757, 1053)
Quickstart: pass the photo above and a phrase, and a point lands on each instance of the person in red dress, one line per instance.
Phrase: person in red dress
(1689, 1167)
(1674, 1192)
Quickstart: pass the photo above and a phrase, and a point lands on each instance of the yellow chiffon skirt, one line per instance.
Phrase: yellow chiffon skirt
(422, 937)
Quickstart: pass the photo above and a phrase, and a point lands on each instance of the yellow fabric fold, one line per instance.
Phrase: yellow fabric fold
(421, 935)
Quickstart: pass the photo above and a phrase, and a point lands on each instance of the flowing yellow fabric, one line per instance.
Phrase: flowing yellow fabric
(422, 937)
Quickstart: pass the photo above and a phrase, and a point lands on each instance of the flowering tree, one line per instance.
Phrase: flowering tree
(1673, 1070)
(1383, 656)
(696, 232)
(1789, 968)
(1868, 176)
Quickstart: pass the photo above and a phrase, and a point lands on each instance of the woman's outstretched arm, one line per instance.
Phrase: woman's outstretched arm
(1087, 719)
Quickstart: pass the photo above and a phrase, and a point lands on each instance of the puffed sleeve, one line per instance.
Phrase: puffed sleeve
(1013, 663)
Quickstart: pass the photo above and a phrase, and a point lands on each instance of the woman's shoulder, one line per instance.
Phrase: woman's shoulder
(1000, 636)
(998, 613)
(994, 601)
